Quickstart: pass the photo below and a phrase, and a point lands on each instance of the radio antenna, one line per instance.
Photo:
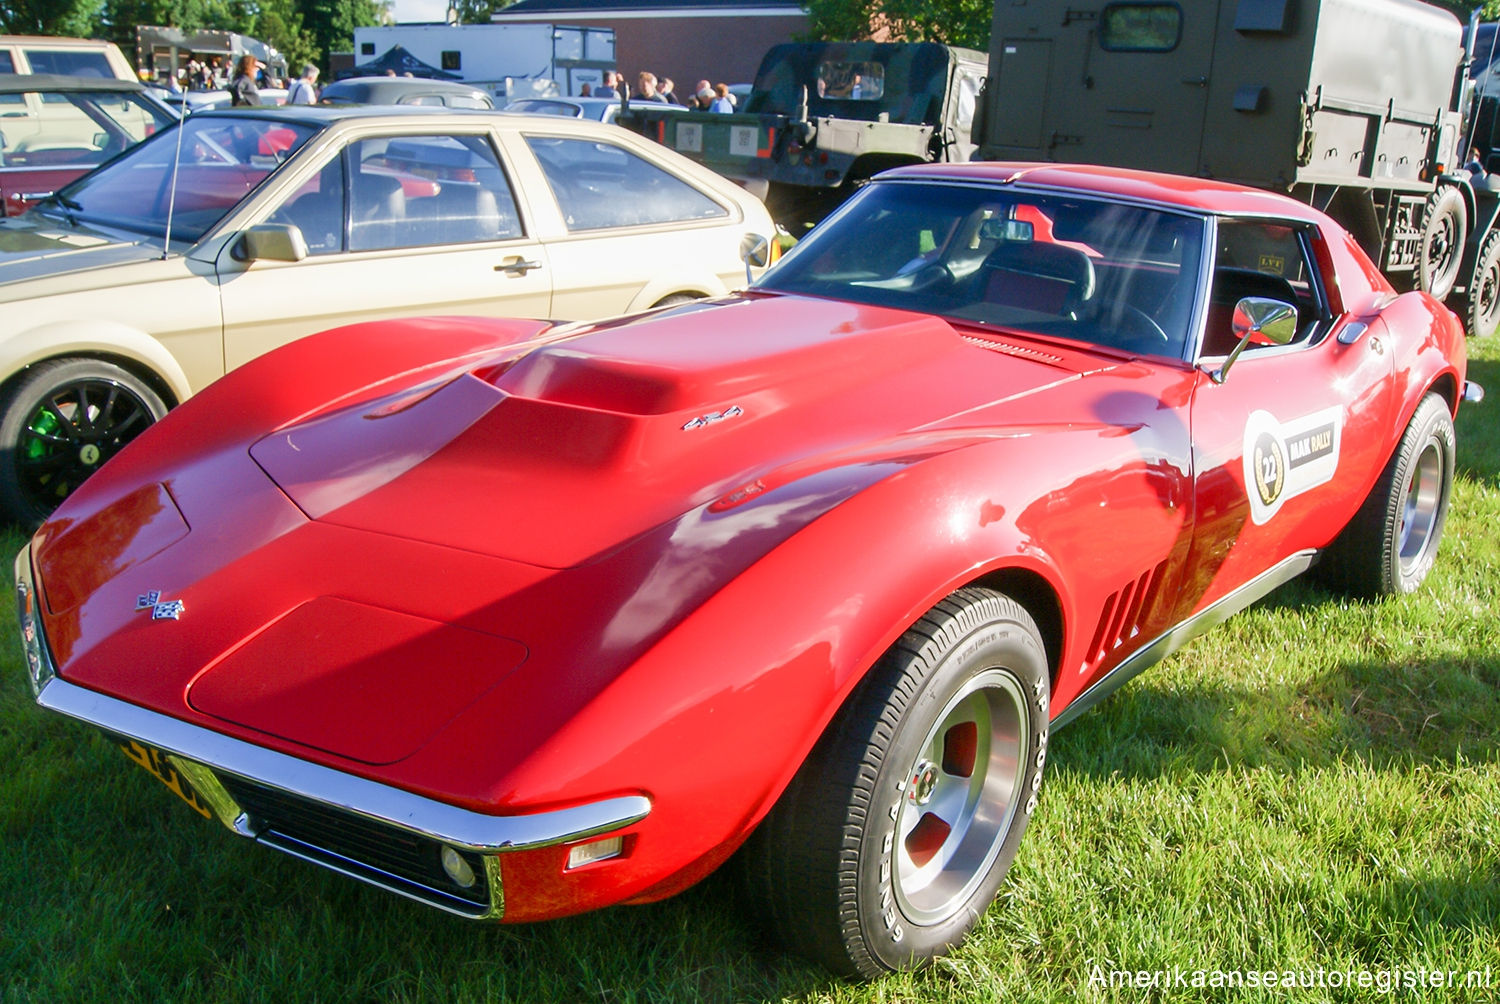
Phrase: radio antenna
(166, 244)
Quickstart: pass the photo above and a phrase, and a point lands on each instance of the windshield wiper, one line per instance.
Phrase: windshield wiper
(69, 207)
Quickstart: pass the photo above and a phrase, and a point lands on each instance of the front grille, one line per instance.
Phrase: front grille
(361, 847)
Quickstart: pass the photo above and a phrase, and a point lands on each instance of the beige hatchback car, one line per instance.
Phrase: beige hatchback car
(238, 231)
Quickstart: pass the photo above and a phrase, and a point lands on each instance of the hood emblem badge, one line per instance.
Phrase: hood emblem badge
(733, 411)
(160, 609)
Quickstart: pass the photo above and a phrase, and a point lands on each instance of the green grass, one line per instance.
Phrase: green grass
(1313, 786)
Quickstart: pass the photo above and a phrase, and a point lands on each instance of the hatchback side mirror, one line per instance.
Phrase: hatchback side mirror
(271, 242)
(755, 252)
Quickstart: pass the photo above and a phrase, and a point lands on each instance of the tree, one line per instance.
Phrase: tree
(331, 23)
(479, 11)
(48, 17)
(955, 22)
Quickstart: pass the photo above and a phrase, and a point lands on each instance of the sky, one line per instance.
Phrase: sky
(419, 10)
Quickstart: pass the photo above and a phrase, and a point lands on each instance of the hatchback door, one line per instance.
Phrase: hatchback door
(396, 224)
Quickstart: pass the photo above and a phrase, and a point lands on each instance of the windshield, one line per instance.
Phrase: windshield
(223, 159)
(1052, 264)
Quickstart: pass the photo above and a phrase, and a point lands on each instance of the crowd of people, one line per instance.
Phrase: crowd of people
(705, 97)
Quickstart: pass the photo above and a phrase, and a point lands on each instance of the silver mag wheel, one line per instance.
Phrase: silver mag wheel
(60, 421)
(898, 830)
(1391, 543)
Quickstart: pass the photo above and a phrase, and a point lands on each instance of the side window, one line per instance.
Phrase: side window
(599, 186)
(1267, 259)
(70, 62)
(317, 209)
(7, 64)
(422, 191)
(1140, 27)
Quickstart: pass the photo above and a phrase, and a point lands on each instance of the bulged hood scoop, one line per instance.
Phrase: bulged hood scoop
(580, 445)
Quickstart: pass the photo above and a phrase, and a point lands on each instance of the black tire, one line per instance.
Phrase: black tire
(1482, 301)
(1389, 546)
(674, 299)
(874, 858)
(59, 421)
(1445, 226)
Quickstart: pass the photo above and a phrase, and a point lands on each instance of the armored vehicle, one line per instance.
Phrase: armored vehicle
(823, 117)
(1356, 107)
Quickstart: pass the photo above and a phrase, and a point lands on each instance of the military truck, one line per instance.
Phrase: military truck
(823, 117)
(1356, 107)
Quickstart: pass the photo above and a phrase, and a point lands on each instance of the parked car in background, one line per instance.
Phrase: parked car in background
(55, 128)
(405, 91)
(597, 109)
(810, 571)
(202, 101)
(76, 57)
(119, 298)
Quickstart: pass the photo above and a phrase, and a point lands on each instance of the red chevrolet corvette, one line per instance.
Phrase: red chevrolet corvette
(521, 619)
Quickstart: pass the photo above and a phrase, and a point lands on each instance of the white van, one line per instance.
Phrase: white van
(74, 57)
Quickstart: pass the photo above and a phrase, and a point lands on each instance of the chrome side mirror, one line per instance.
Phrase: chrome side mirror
(1272, 320)
(271, 242)
(755, 252)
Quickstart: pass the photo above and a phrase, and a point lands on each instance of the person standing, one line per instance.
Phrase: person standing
(665, 91)
(607, 88)
(304, 90)
(721, 102)
(242, 89)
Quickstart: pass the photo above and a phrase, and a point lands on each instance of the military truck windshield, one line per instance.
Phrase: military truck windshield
(1053, 264)
(856, 80)
(851, 81)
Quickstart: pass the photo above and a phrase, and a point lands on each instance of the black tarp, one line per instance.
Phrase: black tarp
(397, 58)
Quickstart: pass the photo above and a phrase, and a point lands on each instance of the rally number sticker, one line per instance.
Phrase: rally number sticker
(1285, 459)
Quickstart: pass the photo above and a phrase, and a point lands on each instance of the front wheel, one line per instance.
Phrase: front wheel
(59, 421)
(896, 833)
(1389, 546)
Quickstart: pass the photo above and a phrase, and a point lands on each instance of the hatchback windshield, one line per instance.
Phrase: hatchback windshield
(221, 159)
(1050, 263)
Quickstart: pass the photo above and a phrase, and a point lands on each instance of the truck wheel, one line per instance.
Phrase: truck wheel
(1445, 225)
(1482, 301)
(894, 836)
(1389, 546)
(59, 421)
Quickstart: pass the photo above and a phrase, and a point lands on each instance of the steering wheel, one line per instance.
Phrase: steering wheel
(1139, 332)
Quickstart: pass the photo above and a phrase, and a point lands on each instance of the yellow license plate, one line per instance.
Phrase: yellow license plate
(160, 766)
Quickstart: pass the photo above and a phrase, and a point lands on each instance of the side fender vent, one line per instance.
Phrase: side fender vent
(1121, 620)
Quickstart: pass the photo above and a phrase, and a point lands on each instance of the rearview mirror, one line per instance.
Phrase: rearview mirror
(271, 242)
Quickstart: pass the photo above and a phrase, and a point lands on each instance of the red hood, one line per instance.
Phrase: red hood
(583, 444)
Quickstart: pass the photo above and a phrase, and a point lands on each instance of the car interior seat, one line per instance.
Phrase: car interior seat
(377, 210)
(1231, 285)
(1038, 276)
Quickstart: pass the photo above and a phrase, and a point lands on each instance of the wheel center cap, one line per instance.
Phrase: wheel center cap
(924, 782)
(89, 455)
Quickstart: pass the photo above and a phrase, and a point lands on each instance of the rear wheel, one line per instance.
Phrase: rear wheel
(1482, 301)
(59, 422)
(896, 833)
(1389, 546)
(1445, 225)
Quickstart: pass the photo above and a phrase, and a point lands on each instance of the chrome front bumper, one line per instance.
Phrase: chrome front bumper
(214, 764)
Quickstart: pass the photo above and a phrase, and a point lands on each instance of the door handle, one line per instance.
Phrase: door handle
(518, 267)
